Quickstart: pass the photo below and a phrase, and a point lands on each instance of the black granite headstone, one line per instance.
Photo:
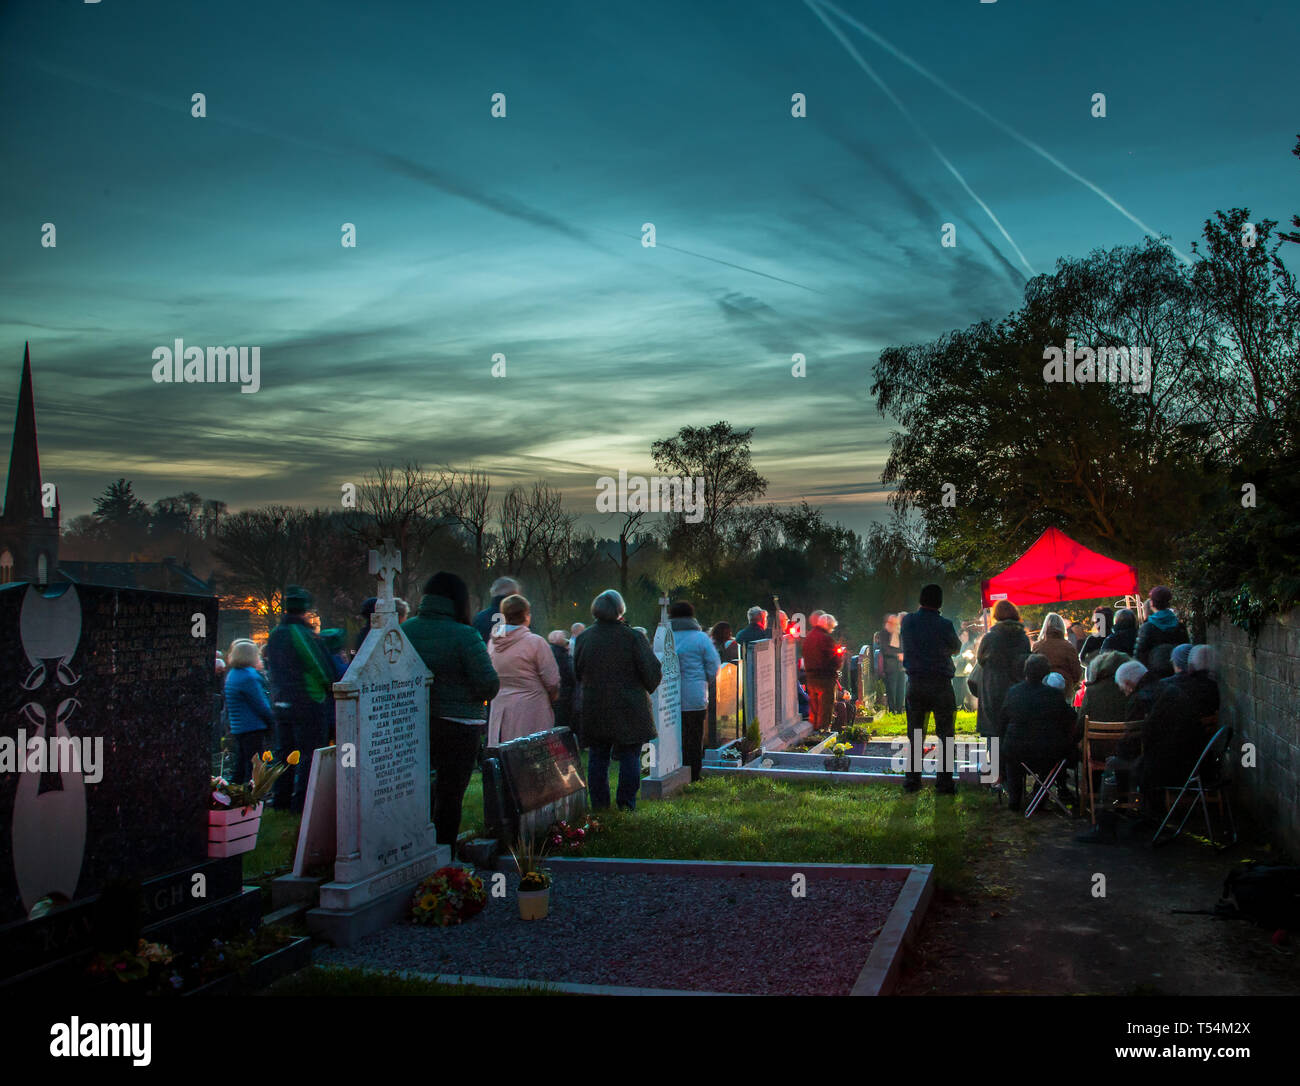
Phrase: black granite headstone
(120, 675)
(532, 782)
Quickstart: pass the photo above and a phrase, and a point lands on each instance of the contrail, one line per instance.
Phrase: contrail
(812, 6)
(1036, 148)
(716, 260)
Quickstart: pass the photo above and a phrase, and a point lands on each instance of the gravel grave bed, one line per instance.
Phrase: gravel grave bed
(697, 932)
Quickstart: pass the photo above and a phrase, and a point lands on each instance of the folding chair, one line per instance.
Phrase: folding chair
(1043, 788)
(1200, 788)
(1108, 733)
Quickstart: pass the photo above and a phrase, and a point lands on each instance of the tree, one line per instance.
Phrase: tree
(529, 520)
(266, 549)
(468, 503)
(627, 535)
(402, 504)
(118, 507)
(720, 455)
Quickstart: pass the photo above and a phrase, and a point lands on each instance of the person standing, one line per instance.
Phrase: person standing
(757, 628)
(559, 642)
(1162, 627)
(1123, 636)
(247, 706)
(821, 663)
(530, 679)
(302, 675)
(1001, 657)
(617, 671)
(699, 662)
(501, 588)
(1054, 643)
(891, 664)
(929, 643)
(728, 650)
(464, 681)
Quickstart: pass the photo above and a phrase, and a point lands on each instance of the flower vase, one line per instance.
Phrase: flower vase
(534, 904)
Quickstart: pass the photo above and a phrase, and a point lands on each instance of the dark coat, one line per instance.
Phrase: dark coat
(1001, 657)
(564, 703)
(1120, 640)
(753, 633)
(1037, 725)
(1172, 737)
(483, 620)
(1162, 628)
(293, 678)
(1200, 688)
(617, 671)
(891, 658)
(929, 644)
(1103, 700)
(1144, 696)
(463, 676)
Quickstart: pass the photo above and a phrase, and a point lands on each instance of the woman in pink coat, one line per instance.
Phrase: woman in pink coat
(530, 679)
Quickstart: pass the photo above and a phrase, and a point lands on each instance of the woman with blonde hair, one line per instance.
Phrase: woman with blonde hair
(530, 677)
(247, 706)
(1063, 657)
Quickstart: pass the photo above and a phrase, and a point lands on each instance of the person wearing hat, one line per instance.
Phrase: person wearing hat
(1161, 628)
(301, 674)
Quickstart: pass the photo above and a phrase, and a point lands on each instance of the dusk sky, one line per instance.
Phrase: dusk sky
(522, 235)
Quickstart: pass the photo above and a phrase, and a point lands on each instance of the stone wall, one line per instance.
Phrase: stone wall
(1261, 692)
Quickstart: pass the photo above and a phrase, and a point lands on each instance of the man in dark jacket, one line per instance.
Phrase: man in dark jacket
(757, 629)
(301, 676)
(1162, 628)
(1037, 724)
(929, 643)
(501, 588)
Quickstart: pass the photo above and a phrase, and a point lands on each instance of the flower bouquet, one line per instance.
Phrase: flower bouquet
(564, 835)
(451, 895)
(839, 762)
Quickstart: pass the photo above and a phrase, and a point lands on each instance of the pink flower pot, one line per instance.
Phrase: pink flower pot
(233, 830)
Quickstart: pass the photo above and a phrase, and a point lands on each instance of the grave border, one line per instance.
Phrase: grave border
(878, 976)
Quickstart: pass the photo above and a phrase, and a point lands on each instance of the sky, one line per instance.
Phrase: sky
(522, 235)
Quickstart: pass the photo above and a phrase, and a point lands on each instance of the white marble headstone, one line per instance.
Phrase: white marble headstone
(666, 755)
(760, 689)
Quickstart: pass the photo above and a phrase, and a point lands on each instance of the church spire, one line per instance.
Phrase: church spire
(23, 487)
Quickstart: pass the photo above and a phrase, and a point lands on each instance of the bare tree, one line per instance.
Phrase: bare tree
(627, 533)
(468, 503)
(403, 504)
(265, 549)
(562, 553)
(528, 518)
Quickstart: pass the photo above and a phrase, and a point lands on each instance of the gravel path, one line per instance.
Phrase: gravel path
(653, 931)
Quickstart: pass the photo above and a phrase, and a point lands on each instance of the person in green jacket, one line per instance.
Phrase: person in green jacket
(464, 681)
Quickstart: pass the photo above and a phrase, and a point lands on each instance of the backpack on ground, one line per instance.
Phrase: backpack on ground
(1268, 895)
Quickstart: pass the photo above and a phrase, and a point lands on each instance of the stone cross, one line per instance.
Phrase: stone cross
(663, 610)
(384, 563)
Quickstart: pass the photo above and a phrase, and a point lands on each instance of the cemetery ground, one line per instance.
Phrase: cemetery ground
(1014, 910)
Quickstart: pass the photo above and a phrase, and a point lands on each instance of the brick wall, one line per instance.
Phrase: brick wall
(1261, 689)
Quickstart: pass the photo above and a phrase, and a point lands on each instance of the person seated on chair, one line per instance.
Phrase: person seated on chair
(1102, 697)
(1172, 740)
(1037, 726)
(1194, 675)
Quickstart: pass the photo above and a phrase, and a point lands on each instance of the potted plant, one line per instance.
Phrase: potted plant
(858, 735)
(839, 762)
(235, 810)
(534, 882)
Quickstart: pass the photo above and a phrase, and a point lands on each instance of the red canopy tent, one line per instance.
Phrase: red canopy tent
(1056, 569)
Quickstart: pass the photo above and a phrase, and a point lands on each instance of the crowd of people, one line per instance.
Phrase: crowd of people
(497, 680)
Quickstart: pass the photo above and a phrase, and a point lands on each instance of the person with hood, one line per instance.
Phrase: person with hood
(301, 674)
(698, 661)
(617, 671)
(890, 667)
(530, 678)
(1123, 634)
(501, 588)
(929, 643)
(1161, 628)
(559, 642)
(1001, 657)
(463, 683)
(757, 629)
(1037, 724)
(1064, 657)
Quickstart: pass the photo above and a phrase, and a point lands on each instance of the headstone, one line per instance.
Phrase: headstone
(531, 783)
(386, 842)
(667, 774)
(789, 719)
(105, 765)
(727, 709)
(760, 690)
(318, 833)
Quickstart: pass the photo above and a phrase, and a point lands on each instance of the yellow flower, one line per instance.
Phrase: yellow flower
(266, 755)
(293, 758)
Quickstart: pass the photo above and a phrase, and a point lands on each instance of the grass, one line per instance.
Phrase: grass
(896, 724)
(318, 980)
